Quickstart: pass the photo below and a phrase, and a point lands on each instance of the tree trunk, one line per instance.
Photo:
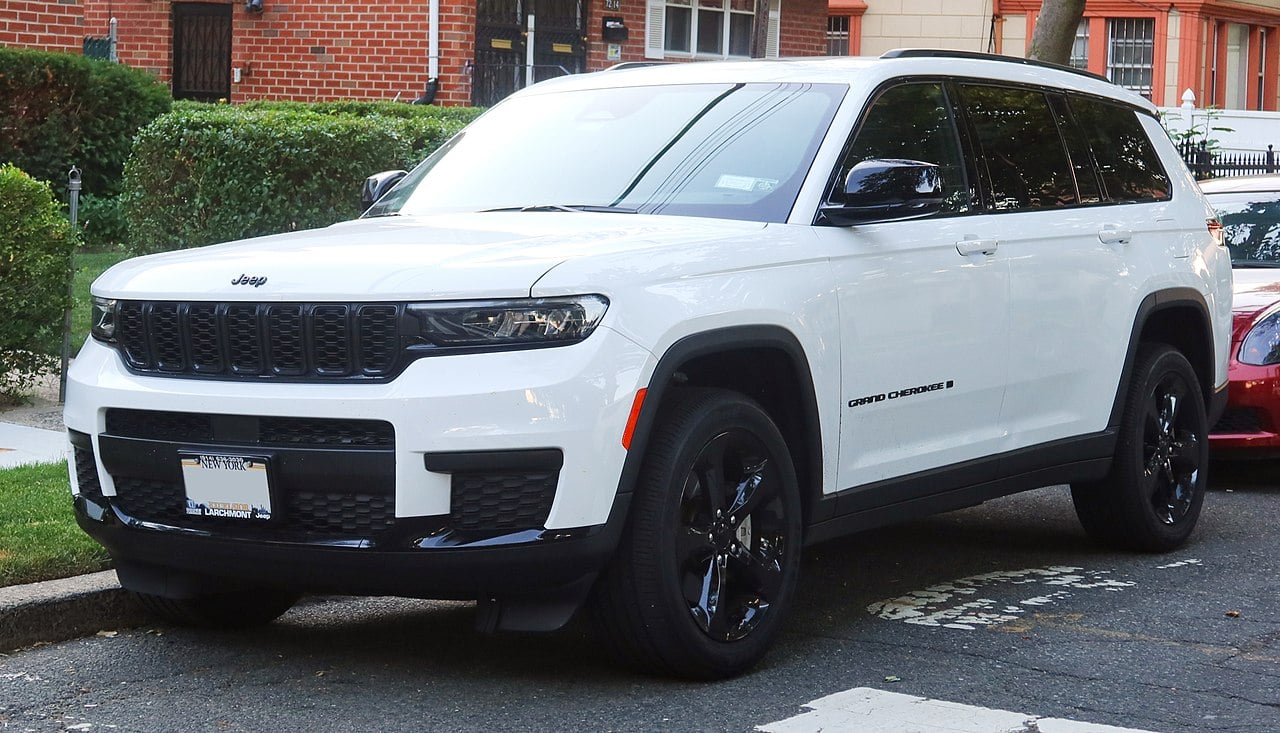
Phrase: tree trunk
(760, 30)
(1056, 30)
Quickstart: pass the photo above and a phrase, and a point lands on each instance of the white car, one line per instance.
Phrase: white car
(633, 339)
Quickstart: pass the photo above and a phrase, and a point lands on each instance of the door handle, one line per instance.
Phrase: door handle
(1114, 235)
(973, 246)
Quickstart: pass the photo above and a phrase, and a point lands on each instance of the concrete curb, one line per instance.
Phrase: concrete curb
(57, 610)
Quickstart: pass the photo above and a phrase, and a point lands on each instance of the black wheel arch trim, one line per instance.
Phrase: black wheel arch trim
(732, 338)
(1154, 303)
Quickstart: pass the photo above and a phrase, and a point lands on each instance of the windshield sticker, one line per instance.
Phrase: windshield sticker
(745, 183)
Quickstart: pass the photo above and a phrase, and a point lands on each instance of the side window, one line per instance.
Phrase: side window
(912, 122)
(1026, 164)
(1078, 150)
(1129, 166)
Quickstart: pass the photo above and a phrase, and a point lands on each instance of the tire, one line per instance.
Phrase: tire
(1152, 497)
(235, 610)
(702, 580)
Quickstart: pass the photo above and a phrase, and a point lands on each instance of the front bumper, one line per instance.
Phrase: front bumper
(479, 476)
(1250, 425)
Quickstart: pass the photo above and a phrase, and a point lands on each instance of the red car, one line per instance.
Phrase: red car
(1249, 209)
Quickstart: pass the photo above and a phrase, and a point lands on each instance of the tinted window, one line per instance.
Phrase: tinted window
(1026, 165)
(1087, 182)
(910, 122)
(1128, 164)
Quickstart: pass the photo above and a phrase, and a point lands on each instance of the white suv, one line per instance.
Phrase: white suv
(633, 339)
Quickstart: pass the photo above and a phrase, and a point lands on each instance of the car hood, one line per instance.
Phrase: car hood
(478, 255)
(1255, 289)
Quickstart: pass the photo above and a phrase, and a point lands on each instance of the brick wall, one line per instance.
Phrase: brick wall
(53, 25)
(803, 31)
(309, 50)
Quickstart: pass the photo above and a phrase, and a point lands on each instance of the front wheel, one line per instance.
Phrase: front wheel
(1151, 499)
(707, 567)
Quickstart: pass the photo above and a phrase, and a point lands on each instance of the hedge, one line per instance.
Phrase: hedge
(62, 109)
(212, 173)
(35, 264)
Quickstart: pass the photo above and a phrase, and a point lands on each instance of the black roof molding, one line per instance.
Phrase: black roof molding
(941, 53)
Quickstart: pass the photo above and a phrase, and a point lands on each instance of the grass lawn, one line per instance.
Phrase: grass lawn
(89, 265)
(39, 539)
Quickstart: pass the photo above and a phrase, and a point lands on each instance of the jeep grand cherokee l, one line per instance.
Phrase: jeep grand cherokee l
(633, 339)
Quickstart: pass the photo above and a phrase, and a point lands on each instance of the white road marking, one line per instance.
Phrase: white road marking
(866, 710)
(946, 604)
(1179, 564)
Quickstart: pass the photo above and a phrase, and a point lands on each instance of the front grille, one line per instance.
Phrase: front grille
(261, 340)
(1237, 420)
(325, 514)
(501, 501)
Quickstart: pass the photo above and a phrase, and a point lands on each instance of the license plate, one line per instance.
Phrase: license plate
(231, 487)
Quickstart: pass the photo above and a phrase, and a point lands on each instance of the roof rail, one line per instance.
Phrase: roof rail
(942, 53)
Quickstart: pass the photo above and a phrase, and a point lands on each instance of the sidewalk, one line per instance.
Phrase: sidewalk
(56, 610)
(21, 445)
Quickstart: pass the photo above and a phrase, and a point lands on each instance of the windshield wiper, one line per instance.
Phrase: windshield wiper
(1254, 264)
(599, 208)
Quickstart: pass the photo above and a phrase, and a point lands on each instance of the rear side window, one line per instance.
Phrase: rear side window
(1024, 160)
(1128, 165)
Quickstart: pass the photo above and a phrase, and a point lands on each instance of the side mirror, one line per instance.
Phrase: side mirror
(378, 184)
(884, 189)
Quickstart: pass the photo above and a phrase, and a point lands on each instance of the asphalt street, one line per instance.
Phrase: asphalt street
(1005, 606)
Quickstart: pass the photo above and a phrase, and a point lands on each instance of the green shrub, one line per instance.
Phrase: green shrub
(62, 109)
(367, 109)
(212, 173)
(35, 264)
(101, 222)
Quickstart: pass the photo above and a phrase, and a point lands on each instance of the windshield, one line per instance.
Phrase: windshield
(737, 151)
(1250, 227)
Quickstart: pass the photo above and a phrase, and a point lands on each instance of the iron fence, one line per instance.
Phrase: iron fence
(1205, 163)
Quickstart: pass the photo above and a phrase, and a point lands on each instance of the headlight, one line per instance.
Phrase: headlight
(522, 322)
(1261, 345)
(103, 319)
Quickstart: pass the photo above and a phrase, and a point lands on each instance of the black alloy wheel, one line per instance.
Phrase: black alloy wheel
(707, 566)
(1151, 499)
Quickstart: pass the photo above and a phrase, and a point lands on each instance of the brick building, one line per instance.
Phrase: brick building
(477, 53)
(1226, 52)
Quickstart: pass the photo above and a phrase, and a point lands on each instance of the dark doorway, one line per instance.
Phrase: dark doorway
(503, 34)
(201, 51)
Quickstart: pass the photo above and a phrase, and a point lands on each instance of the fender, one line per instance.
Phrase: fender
(707, 343)
(1150, 305)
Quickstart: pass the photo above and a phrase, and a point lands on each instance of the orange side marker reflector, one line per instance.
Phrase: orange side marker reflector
(631, 420)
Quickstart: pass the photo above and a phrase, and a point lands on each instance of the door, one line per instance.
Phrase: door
(923, 311)
(519, 42)
(202, 51)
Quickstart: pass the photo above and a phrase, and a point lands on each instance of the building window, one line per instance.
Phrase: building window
(1130, 52)
(1080, 46)
(1237, 72)
(709, 27)
(838, 35)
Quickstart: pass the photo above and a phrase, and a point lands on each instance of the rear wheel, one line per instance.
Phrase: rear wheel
(707, 566)
(1151, 499)
(234, 610)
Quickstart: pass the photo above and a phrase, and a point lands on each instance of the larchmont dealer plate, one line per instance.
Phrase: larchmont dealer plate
(233, 487)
